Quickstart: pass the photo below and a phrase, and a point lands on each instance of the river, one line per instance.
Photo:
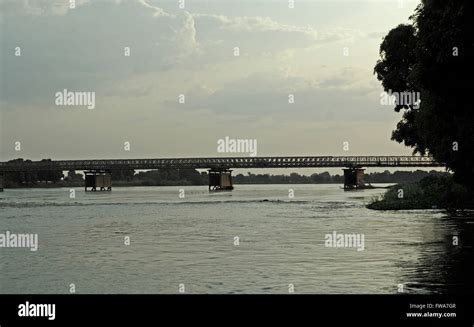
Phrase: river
(255, 239)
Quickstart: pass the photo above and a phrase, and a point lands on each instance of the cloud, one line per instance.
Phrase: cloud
(157, 11)
(347, 97)
(266, 34)
(83, 48)
(39, 7)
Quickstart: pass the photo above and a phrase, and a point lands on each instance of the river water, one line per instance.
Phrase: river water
(255, 239)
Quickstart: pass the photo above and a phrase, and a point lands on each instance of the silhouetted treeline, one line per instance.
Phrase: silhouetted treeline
(430, 56)
(168, 177)
(326, 178)
(32, 177)
(192, 177)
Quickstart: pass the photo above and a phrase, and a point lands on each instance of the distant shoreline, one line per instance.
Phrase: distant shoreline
(187, 177)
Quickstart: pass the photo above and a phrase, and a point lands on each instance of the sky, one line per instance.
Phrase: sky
(320, 52)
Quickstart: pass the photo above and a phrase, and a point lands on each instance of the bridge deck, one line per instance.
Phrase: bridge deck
(223, 163)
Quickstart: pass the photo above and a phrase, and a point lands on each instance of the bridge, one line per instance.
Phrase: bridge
(99, 173)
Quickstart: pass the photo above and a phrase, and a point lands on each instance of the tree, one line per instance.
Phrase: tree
(123, 175)
(72, 176)
(433, 56)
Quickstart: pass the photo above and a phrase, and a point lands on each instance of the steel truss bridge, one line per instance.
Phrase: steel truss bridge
(222, 163)
(99, 173)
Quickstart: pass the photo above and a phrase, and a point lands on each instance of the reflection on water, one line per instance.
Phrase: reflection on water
(191, 241)
(444, 266)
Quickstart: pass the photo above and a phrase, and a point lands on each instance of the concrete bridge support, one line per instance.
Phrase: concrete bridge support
(220, 180)
(353, 178)
(98, 181)
(1, 182)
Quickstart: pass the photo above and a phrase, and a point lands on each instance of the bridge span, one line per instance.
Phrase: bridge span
(99, 172)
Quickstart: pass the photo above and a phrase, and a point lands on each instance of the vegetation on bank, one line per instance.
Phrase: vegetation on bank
(429, 57)
(432, 192)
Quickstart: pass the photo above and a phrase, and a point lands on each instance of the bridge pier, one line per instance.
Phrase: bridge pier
(353, 178)
(1, 182)
(98, 180)
(220, 180)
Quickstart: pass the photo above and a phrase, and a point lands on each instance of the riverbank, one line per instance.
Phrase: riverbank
(432, 192)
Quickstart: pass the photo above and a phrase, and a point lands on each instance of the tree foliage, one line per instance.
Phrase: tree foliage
(434, 56)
